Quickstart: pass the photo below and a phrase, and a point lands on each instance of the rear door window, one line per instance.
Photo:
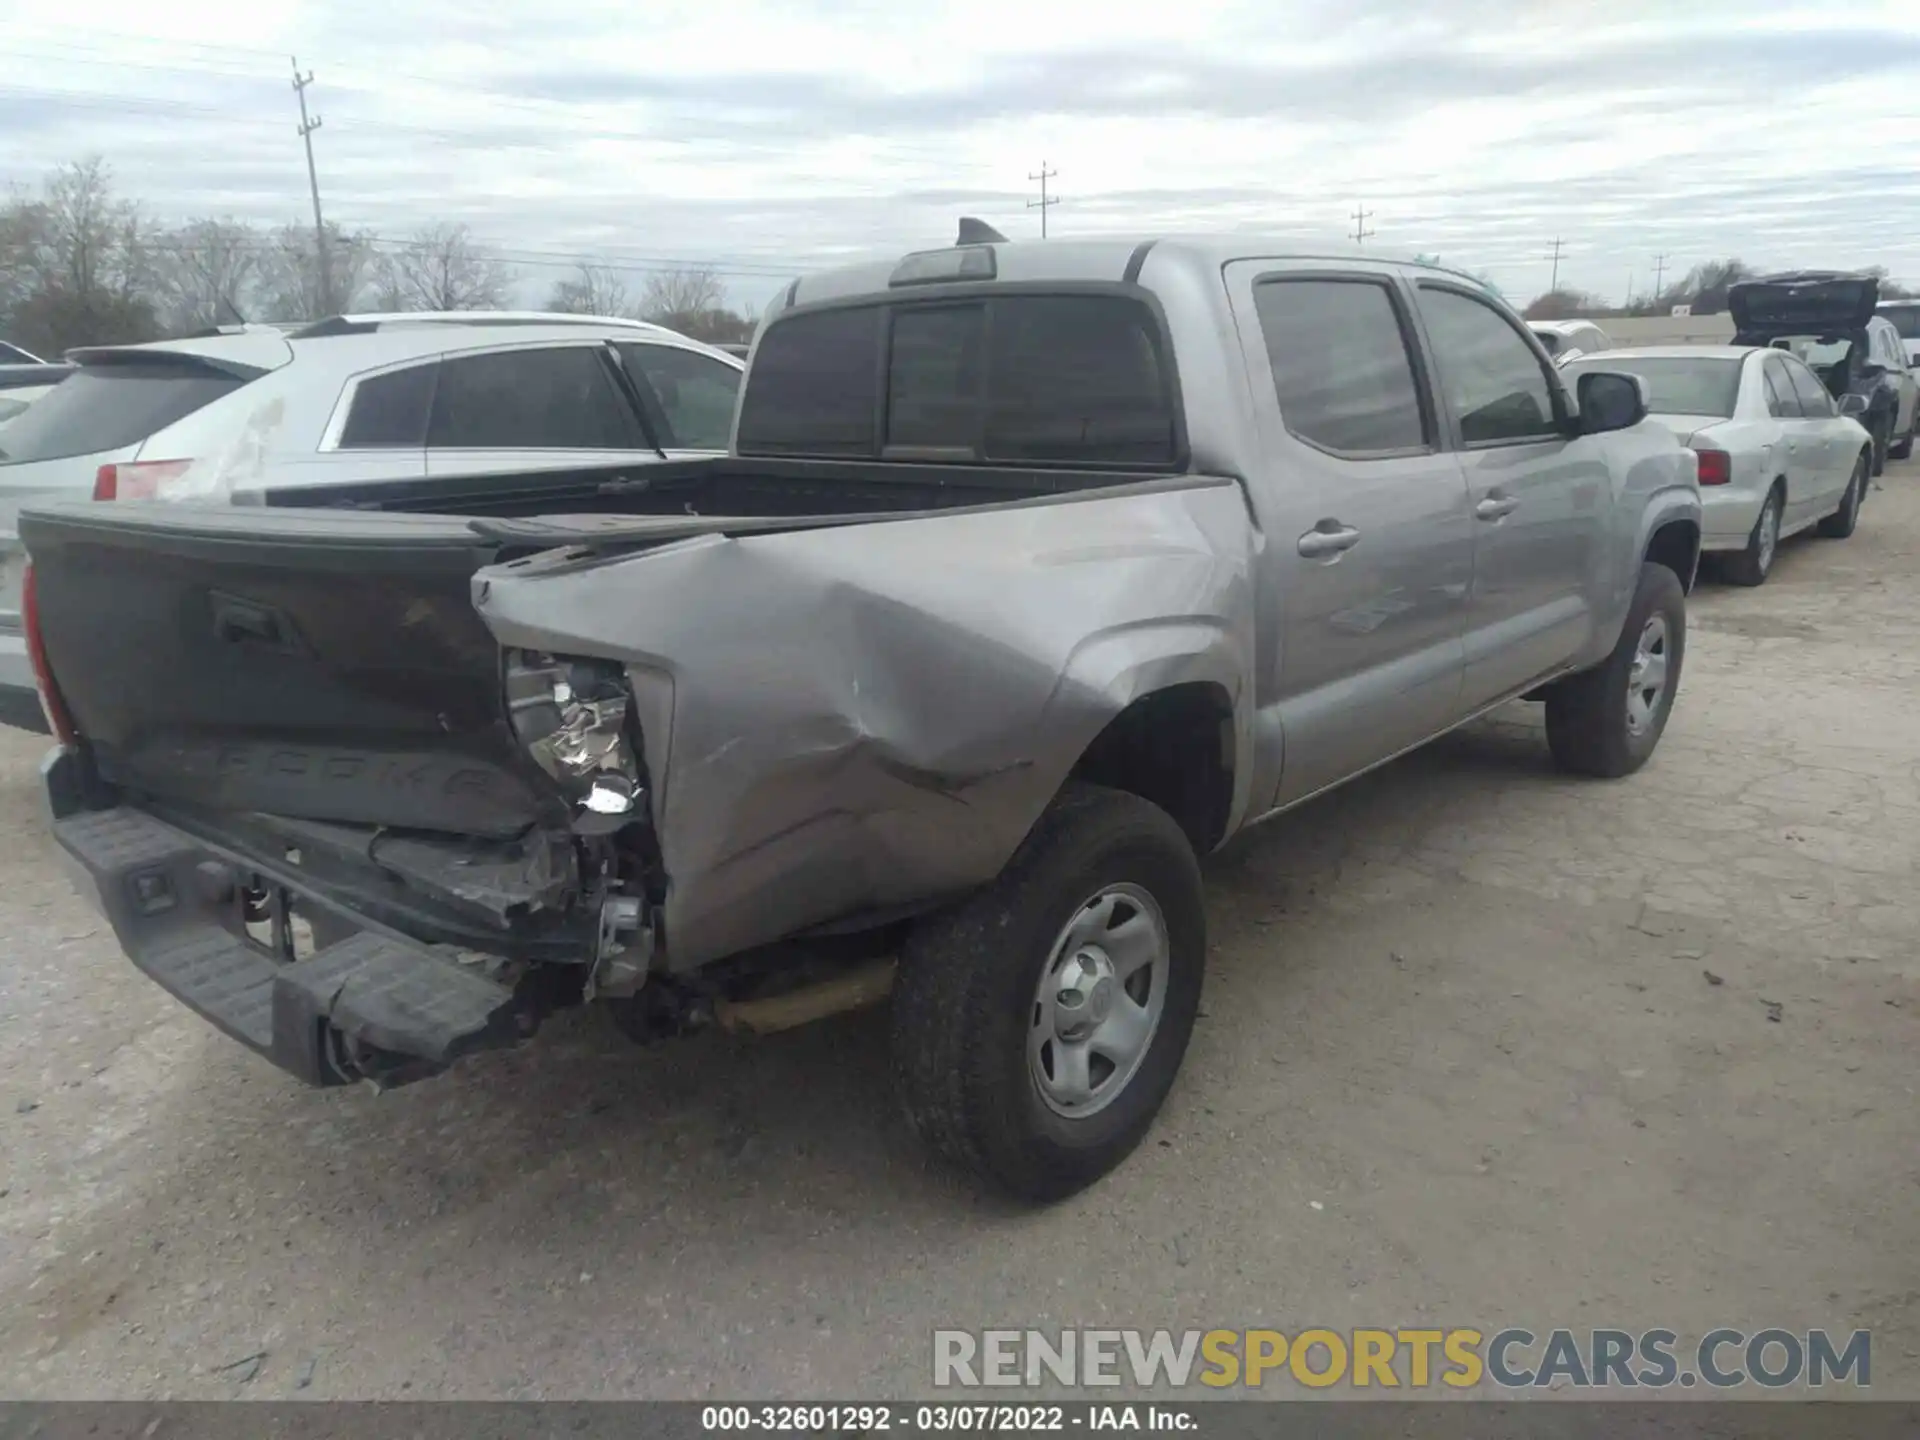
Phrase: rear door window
(391, 410)
(1341, 368)
(1815, 403)
(1782, 401)
(109, 407)
(556, 397)
(695, 394)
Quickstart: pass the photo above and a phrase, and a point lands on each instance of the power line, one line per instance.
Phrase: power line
(1043, 204)
(1554, 283)
(307, 127)
(1360, 231)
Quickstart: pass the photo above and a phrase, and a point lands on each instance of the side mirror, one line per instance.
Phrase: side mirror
(1610, 400)
(1853, 406)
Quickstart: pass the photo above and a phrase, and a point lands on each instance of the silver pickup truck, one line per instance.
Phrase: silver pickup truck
(1036, 572)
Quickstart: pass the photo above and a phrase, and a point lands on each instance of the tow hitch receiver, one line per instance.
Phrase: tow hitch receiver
(368, 1006)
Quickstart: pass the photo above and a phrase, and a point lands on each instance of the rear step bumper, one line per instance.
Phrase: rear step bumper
(402, 1010)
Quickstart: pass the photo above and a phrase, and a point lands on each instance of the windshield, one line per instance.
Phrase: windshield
(1905, 319)
(1676, 385)
(109, 407)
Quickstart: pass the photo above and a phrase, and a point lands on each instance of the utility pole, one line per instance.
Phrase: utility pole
(324, 288)
(1044, 203)
(1360, 230)
(1659, 269)
(1554, 284)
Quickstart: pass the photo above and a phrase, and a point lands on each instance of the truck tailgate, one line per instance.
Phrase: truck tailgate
(324, 665)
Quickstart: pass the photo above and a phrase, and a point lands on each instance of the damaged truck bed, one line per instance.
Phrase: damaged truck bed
(1036, 573)
(838, 718)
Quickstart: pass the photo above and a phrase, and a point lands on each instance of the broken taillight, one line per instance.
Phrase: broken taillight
(573, 717)
(51, 705)
(139, 480)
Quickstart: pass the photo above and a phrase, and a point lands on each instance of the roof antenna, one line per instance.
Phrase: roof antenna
(978, 232)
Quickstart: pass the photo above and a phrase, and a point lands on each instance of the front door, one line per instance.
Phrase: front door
(1369, 548)
(1540, 500)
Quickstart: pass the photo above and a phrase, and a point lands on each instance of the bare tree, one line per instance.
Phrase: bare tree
(290, 272)
(206, 272)
(595, 290)
(1561, 304)
(440, 268)
(80, 268)
(681, 293)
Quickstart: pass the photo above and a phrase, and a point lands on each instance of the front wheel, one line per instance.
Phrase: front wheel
(1606, 721)
(1904, 450)
(1037, 1027)
(1882, 433)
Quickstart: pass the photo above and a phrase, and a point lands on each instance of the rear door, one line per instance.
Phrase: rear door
(1801, 456)
(557, 406)
(1539, 499)
(1370, 547)
(1816, 487)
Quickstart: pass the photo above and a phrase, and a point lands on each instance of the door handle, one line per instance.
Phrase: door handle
(1496, 507)
(1329, 537)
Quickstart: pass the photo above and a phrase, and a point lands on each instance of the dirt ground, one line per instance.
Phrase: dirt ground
(1482, 1045)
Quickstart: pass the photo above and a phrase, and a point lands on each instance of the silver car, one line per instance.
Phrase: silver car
(1777, 454)
(354, 400)
(1567, 340)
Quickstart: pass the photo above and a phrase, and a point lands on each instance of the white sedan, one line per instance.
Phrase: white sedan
(1777, 454)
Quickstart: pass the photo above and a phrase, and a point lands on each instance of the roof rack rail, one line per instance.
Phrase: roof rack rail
(407, 319)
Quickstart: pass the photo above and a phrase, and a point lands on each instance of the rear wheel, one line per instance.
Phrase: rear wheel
(1606, 721)
(1037, 1028)
(1753, 564)
(1882, 433)
(1839, 525)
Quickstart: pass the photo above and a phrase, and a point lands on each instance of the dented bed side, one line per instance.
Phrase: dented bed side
(861, 718)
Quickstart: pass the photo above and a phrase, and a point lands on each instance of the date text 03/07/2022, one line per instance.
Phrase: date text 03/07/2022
(943, 1417)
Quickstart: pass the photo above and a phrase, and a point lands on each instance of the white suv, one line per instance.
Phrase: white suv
(352, 400)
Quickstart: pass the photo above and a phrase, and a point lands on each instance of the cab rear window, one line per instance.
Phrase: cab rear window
(1046, 379)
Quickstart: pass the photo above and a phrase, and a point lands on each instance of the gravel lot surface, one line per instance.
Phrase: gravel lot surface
(1482, 1045)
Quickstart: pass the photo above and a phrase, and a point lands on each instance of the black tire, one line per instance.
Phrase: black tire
(964, 998)
(1882, 433)
(1840, 524)
(1752, 565)
(1587, 723)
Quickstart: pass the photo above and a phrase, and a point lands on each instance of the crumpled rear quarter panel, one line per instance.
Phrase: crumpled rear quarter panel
(862, 717)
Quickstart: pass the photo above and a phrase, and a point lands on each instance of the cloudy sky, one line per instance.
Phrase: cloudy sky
(772, 139)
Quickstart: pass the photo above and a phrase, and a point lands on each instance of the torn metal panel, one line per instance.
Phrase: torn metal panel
(854, 719)
(499, 881)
